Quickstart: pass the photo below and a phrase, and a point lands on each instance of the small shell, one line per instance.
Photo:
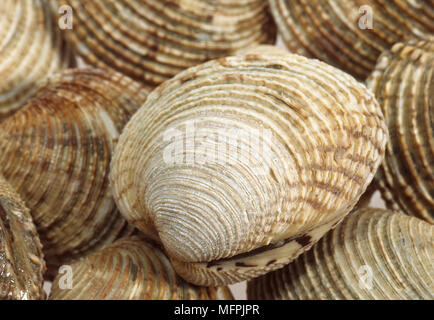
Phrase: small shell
(56, 153)
(153, 40)
(130, 269)
(373, 254)
(404, 84)
(21, 260)
(350, 34)
(31, 47)
(241, 164)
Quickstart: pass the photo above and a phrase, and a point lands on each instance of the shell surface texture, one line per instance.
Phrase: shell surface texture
(374, 254)
(240, 164)
(153, 40)
(404, 85)
(351, 34)
(31, 47)
(21, 259)
(56, 153)
(130, 269)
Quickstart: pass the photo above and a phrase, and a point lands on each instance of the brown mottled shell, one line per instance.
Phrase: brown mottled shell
(130, 269)
(337, 31)
(56, 153)
(31, 47)
(21, 260)
(239, 165)
(373, 254)
(153, 40)
(404, 84)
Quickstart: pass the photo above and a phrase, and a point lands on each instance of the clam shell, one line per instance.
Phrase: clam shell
(21, 260)
(56, 153)
(404, 84)
(153, 40)
(335, 31)
(31, 47)
(373, 254)
(239, 165)
(130, 269)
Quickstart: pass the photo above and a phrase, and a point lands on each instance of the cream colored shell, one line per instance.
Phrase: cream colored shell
(130, 269)
(56, 152)
(31, 48)
(373, 254)
(153, 40)
(239, 165)
(350, 34)
(21, 260)
(404, 85)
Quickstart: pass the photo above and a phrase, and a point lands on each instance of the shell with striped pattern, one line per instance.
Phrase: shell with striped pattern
(130, 269)
(31, 48)
(56, 153)
(21, 259)
(351, 34)
(153, 40)
(373, 254)
(239, 165)
(403, 82)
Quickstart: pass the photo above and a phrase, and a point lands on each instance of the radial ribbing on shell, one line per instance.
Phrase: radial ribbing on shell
(130, 269)
(153, 40)
(245, 152)
(56, 153)
(373, 254)
(21, 260)
(404, 85)
(351, 34)
(31, 47)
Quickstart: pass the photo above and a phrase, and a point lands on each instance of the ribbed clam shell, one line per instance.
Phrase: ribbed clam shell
(330, 29)
(404, 84)
(31, 47)
(153, 40)
(56, 152)
(21, 260)
(130, 269)
(290, 144)
(373, 254)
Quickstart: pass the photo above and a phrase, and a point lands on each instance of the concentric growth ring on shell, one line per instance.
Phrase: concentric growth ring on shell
(373, 254)
(242, 163)
(31, 47)
(404, 84)
(131, 269)
(152, 40)
(350, 34)
(56, 153)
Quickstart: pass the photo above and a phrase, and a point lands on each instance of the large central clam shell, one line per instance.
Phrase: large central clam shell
(153, 40)
(130, 269)
(373, 254)
(56, 152)
(241, 164)
(21, 260)
(350, 34)
(404, 84)
(31, 47)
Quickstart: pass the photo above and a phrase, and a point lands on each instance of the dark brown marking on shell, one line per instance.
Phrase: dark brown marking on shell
(245, 265)
(304, 241)
(275, 66)
(271, 262)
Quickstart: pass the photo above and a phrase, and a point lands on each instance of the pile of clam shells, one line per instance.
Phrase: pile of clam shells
(170, 149)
